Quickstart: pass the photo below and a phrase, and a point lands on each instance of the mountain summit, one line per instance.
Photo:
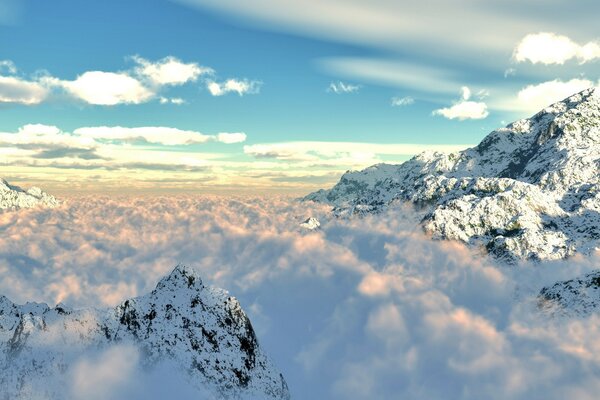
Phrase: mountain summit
(199, 329)
(530, 190)
(13, 197)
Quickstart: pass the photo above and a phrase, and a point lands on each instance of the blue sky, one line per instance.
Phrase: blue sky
(335, 75)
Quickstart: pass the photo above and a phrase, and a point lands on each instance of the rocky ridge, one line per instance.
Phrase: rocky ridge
(13, 197)
(200, 329)
(530, 190)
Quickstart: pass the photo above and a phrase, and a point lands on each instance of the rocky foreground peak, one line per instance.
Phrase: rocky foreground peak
(530, 190)
(13, 197)
(200, 329)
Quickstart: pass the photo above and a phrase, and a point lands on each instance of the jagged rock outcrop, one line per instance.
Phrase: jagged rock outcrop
(201, 329)
(13, 197)
(575, 297)
(530, 190)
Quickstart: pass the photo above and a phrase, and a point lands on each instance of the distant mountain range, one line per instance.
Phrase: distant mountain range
(529, 191)
(200, 329)
(13, 197)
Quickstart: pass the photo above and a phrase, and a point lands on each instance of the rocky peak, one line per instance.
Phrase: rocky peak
(201, 329)
(530, 190)
(13, 197)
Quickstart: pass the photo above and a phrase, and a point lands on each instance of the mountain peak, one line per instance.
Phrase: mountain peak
(182, 276)
(13, 197)
(199, 329)
(530, 190)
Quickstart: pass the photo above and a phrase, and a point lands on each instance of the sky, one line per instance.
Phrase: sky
(270, 95)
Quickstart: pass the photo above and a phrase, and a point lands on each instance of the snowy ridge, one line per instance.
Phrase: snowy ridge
(13, 197)
(199, 328)
(530, 190)
(579, 296)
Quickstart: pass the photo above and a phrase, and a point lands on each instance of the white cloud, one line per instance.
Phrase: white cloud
(550, 48)
(535, 97)
(342, 87)
(20, 91)
(8, 66)
(229, 138)
(172, 100)
(465, 109)
(374, 307)
(34, 135)
(510, 72)
(402, 101)
(151, 134)
(394, 73)
(319, 152)
(169, 71)
(104, 375)
(107, 88)
(143, 83)
(239, 86)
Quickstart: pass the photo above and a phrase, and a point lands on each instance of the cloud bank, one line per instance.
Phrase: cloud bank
(366, 308)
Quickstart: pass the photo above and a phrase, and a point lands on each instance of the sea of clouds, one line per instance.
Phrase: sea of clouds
(367, 308)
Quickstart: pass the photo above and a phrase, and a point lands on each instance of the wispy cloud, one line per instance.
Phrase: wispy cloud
(340, 87)
(402, 101)
(241, 87)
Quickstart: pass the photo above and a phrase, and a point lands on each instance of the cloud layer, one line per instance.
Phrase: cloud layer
(367, 308)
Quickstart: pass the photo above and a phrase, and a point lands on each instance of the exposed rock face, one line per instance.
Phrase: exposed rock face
(579, 296)
(13, 197)
(200, 329)
(311, 224)
(530, 190)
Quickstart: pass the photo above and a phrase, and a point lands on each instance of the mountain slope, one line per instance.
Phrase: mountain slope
(13, 197)
(527, 191)
(201, 329)
(578, 296)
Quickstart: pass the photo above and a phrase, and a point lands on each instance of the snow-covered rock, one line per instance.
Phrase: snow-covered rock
(530, 190)
(200, 329)
(311, 224)
(579, 296)
(13, 197)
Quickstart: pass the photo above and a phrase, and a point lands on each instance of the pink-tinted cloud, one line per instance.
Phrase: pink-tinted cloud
(362, 308)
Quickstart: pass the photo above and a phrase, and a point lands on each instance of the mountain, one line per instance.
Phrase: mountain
(13, 197)
(530, 190)
(579, 296)
(311, 224)
(199, 328)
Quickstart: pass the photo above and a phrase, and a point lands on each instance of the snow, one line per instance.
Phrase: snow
(311, 224)
(530, 190)
(202, 330)
(13, 197)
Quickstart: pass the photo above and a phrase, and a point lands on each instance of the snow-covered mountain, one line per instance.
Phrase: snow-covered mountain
(530, 190)
(578, 296)
(13, 197)
(199, 328)
(311, 224)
